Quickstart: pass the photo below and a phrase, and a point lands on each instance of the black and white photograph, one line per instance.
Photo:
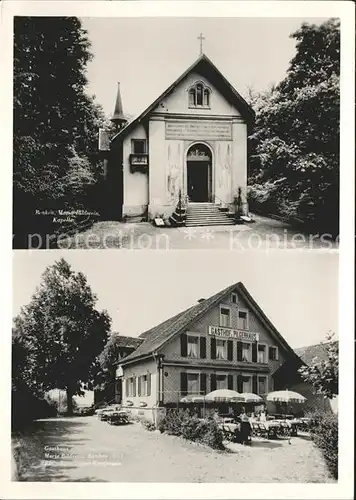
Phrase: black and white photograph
(188, 376)
(178, 194)
(187, 133)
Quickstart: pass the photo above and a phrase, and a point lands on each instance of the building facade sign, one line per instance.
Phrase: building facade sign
(199, 129)
(223, 332)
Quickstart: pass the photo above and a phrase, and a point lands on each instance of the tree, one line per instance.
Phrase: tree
(55, 121)
(323, 375)
(295, 143)
(62, 331)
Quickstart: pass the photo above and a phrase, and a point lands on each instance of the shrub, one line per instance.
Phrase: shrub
(324, 433)
(179, 423)
(149, 426)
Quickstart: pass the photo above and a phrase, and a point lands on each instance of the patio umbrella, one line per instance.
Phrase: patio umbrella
(285, 397)
(250, 397)
(224, 395)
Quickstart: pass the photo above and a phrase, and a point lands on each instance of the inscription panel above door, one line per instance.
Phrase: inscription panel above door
(199, 130)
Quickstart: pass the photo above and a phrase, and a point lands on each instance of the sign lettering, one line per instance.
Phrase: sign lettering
(230, 333)
(199, 129)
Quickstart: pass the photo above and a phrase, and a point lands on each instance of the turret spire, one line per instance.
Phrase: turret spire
(118, 117)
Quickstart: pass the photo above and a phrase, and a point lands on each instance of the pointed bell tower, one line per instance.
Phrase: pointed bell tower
(118, 116)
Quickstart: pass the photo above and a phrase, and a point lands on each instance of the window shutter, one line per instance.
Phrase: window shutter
(203, 347)
(203, 384)
(229, 382)
(126, 387)
(183, 345)
(183, 384)
(229, 350)
(213, 382)
(213, 348)
(254, 352)
(270, 353)
(239, 351)
(148, 384)
(134, 386)
(240, 383)
(139, 386)
(254, 384)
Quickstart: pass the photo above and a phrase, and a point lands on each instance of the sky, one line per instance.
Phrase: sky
(297, 290)
(146, 55)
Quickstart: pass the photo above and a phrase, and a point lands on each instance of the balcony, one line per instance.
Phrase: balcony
(139, 162)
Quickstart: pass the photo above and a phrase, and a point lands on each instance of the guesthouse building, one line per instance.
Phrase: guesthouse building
(225, 341)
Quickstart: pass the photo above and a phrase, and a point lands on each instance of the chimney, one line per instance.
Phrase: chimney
(118, 117)
(200, 301)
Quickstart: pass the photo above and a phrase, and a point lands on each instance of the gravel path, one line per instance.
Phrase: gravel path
(263, 234)
(86, 449)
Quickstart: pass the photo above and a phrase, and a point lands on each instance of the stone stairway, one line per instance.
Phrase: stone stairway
(206, 214)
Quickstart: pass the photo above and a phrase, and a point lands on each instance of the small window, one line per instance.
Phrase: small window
(246, 384)
(131, 386)
(193, 383)
(221, 382)
(273, 353)
(262, 385)
(234, 298)
(246, 352)
(138, 146)
(221, 349)
(261, 353)
(192, 346)
(242, 320)
(224, 316)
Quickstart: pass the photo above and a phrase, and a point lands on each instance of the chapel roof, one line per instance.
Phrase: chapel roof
(156, 337)
(206, 67)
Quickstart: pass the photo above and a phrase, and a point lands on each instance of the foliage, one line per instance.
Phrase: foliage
(62, 332)
(295, 142)
(324, 432)
(323, 375)
(56, 162)
(183, 423)
(149, 426)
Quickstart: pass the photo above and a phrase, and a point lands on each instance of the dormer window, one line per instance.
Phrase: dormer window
(199, 96)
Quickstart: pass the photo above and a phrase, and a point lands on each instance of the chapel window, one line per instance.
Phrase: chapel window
(199, 96)
(138, 146)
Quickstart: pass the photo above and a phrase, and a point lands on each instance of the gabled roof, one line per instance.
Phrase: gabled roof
(156, 337)
(308, 353)
(125, 341)
(206, 67)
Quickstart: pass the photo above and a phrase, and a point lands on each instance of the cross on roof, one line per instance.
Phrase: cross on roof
(201, 38)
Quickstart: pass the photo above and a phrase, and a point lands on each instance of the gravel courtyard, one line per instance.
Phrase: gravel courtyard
(263, 234)
(86, 449)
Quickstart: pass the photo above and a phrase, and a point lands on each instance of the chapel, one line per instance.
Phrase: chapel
(189, 146)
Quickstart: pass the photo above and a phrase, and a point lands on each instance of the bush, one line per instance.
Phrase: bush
(182, 423)
(324, 433)
(149, 426)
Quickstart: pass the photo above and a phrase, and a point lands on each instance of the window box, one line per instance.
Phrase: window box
(138, 162)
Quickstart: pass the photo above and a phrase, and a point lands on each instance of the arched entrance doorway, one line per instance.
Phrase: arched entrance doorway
(199, 173)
